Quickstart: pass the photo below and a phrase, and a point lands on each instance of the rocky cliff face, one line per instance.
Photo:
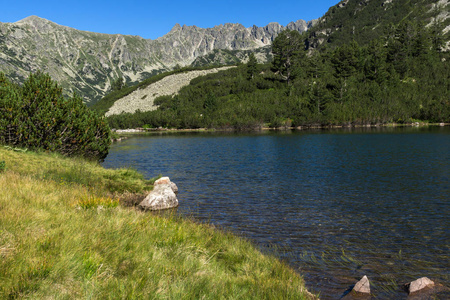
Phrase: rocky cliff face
(87, 63)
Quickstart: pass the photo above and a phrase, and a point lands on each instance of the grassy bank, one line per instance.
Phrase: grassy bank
(63, 234)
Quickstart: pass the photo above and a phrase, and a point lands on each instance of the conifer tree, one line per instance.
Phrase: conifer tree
(38, 116)
(251, 66)
(375, 62)
(288, 50)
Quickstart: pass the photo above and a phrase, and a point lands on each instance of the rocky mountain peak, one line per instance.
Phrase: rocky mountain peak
(38, 23)
(31, 20)
(35, 21)
(87, 62)
(300, 25)
(273, 28)
(175, 28)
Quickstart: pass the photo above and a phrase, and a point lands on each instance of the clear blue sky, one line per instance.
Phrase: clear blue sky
(152, 19)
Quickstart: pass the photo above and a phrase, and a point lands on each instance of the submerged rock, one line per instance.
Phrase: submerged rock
(360, 291)
(362, 286)
(419, 284)
(163, 195)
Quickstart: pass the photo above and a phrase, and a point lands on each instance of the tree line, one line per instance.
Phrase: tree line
(400, 77)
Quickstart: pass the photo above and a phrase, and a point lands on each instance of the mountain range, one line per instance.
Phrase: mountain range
(87, 63)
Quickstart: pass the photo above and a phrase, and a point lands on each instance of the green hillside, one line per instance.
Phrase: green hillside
(366, 20)
(400, 76)
(364, 63)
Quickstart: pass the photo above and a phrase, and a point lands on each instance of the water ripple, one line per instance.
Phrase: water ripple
(334, 205)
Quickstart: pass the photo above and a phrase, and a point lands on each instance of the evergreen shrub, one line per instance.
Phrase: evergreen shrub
(36, 115)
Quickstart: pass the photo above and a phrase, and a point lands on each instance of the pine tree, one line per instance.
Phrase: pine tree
(375, 62)
(118, 84)
(288, 50)
(251, 66)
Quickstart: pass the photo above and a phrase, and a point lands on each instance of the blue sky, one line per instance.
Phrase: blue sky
(152, 19)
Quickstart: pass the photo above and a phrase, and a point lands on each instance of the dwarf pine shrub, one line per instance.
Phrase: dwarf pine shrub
(36, 115)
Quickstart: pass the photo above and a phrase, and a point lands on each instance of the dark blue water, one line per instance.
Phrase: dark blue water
(335, 205)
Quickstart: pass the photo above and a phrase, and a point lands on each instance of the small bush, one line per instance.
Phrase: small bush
(2, 166)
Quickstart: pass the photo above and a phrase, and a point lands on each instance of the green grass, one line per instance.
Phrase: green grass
(62, 236)
(78, 171)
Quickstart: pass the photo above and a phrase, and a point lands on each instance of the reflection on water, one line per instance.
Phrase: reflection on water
(336, 205)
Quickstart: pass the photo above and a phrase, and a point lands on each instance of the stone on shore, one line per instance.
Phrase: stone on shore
(362, 286)
(419, 284)
(163, 195)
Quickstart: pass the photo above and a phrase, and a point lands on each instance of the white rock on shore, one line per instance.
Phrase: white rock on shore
(127, 130)
(163, 195)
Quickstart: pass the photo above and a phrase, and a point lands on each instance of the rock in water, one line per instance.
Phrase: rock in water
(362, 286)
(419, 284)
(162, 197)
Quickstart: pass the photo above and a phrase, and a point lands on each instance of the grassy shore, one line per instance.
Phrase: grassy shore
(64, 235)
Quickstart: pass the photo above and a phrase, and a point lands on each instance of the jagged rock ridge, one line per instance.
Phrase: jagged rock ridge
(87, 62)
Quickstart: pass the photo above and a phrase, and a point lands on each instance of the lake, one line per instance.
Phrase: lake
(334, 204)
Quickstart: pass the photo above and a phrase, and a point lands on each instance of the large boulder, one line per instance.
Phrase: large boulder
(163, 195)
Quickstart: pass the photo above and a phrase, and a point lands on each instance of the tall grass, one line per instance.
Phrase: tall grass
(78, 171)
(64, 237)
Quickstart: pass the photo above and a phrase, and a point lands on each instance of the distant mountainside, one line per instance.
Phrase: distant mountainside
(364, 20)
(220, 57)
(369, 62)
(142, 99)
(88, 63)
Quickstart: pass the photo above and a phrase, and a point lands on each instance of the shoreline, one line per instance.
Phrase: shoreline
(140, 130)
(65, 231)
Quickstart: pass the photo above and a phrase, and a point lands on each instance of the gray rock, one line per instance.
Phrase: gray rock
(362, 286)
(163, 195)
(419, 284)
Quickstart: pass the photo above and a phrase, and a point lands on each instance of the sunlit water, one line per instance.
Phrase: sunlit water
(335, 205)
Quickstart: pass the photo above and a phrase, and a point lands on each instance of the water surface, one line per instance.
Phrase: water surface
(335, 205)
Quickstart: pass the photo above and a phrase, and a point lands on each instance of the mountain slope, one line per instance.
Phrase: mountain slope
(142, 99)
(87, 62)
(369, 63)
(364, 20)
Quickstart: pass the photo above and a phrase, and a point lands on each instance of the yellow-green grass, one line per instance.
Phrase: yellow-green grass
(52, 166)
(62, 237)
